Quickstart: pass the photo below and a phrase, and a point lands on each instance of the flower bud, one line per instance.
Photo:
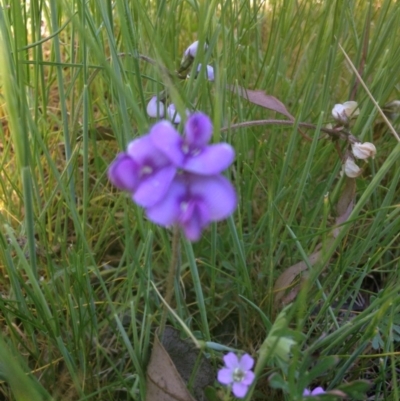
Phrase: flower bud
(192, 49)
(155, 108)
(188, 57)
(342, 113)
(173, 115)
(363, 150)
(351, 169)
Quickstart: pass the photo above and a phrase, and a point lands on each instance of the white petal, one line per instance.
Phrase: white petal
(351, 169)
(173, 115)
(342, 113)
(339, 114)
(351, 108)
(363, 150)
(155, 108)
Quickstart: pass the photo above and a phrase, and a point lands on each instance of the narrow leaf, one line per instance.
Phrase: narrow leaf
(261, 99)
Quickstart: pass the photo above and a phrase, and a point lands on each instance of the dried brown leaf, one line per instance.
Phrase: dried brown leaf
(260, 98)
(170, 368)
(284, 284)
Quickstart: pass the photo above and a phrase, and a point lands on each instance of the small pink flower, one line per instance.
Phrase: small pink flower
(237, 373)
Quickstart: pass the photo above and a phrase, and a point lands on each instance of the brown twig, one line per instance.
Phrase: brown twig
(338, 132)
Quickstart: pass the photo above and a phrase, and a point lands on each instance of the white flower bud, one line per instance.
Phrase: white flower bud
(363, 150)
(155, 108)
(342, 113)
(351, 169)
(173, 115)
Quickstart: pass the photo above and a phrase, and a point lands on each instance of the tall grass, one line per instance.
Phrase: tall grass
(78, 258)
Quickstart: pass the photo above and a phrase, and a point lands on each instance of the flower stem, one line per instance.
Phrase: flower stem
(170, 279)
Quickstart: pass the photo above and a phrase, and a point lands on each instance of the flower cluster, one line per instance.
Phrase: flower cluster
(178, 179)
(343, 113)
(237, 373)
(156, 108)
(188, 58)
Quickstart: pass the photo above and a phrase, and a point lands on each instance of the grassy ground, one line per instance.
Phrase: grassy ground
(77, 259)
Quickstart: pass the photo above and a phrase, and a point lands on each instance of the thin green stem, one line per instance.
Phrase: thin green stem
(170, 278)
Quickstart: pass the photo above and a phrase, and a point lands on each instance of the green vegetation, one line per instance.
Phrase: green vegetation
(78, 258)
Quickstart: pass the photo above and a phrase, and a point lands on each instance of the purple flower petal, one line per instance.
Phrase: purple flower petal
(124, 173)
(248, 378)
(192, 49)
(166, 211)
(140, 148)
(246, 362)
(198, 130)
(143, 151)
(154, 187)
(194, 218)
(168, 141)
(317, 391)
(220, 198)
(210, 160)
(209, 72)
(231, 360)
(239, 389)
(225, 376)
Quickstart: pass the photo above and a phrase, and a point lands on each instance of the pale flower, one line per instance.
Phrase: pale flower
(342, 113)
(192, 49)
(173, 115)
(363, 150)
(155, 108)
(237, 373)
(188, 57)
(209, 72)
(351, 169)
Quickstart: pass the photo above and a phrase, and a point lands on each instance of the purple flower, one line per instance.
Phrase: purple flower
(192, 153)
(316, 391)
(237, 373)
(193, 202)
(177, 179)
(142, 170)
